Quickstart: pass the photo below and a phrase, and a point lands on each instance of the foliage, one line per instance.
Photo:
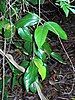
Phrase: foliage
(66, 6)
(30, 76)
(34, 44)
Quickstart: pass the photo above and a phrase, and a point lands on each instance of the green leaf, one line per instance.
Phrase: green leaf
(14, 70)
(62, 0)
(55, 28)
(65, 7)
(41, 54)
(57, 57)
(20, 1)
(29, 20)
(25, 52)
(36, 1)
(72, 98)
(3, 5)
(17, 45)
(0, 86)
(40, 35)
(8, 33)
(30, 76)
(66, 10)
(28, 46)
(6, 95)
(20, 80)
(33, 88)
(24, 63)
(25, 34)
(47, 69)
(14, 80)
(47, 48)
(7, 79)
(3, 23)
(72, 10)
(41, 68)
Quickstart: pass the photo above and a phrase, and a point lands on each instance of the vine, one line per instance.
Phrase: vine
(31, 32)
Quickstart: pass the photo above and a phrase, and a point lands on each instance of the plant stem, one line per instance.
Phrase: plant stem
(10, 24)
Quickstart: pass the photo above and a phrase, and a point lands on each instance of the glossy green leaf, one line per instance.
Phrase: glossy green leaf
(25, 34)
(40, 35)
(33, 88)
(47, 69)
(29, 20)
(57, 57)
(41, 68)
(3, 23)
(14, 80)
(30, 76)
(36, 1)
(55, 28)
(41, 54)
(47, 48)
(28, 46)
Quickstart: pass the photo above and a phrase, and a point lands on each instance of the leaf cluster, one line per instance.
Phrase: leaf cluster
(34, 48)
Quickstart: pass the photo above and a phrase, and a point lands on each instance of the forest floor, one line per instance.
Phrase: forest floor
(60, 83)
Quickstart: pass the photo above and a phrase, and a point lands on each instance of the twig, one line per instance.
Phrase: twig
(67, 54)
(36, 9)
(62, 98)
(39, 11)
(12, 61)
(72, 1)
(42, 97)
(2, 17)
(10, 24)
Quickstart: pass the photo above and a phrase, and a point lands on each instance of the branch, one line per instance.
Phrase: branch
(12, 61)
(42, 97)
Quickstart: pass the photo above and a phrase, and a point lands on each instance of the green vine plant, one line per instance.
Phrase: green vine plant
(35, 48)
